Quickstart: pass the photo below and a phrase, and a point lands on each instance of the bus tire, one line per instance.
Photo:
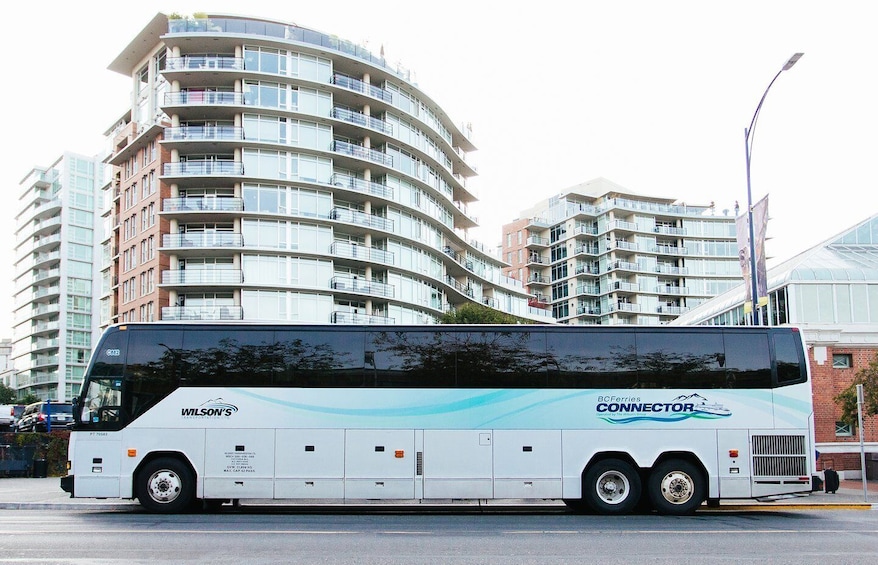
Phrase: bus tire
(165, 485)
(611, 486)
(676, 487)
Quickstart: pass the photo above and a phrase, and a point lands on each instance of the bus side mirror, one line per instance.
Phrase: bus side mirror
(76, 414)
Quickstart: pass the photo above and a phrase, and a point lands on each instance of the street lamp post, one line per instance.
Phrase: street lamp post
(748, 150)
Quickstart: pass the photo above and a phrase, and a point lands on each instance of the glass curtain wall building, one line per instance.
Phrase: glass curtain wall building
(602, 254)
(56, 276)
(302, 179)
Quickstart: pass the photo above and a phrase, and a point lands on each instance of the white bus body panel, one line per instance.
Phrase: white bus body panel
(97, 463)
(379, 464)
(458, 464)
(309, 464)
(239, 464)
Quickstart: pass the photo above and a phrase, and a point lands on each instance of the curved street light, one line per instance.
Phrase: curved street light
(748, 149)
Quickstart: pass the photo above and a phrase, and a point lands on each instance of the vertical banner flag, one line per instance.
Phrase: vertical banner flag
(760, 226)
(742, 232)
(742, 229)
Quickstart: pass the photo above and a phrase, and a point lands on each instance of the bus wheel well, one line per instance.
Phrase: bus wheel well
(684, 456)
(158, 455)
(603, 455)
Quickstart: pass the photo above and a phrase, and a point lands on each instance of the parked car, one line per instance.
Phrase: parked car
(36, 416)
(7, 417)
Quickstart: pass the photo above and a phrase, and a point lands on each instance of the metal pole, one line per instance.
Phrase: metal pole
(748, 150)
(862, 441)
(754, 318)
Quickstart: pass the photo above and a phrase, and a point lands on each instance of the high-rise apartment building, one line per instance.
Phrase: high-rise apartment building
(56, 276)
(602, 254)
(270, 172)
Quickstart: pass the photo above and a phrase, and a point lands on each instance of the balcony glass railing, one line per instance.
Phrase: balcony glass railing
(354, 251)
(204, 133)
(356, 85)
(204, 98)
(361, 152)
(354, 318)
(202, 313)
(361, 119)
(202, 240)
(282, 31)
(356, 217)
(360, 185)
(362, 286)
(203, 204)
(204, 62)
(204, 168)
(203, 276)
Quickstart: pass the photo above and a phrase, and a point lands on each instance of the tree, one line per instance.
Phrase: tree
(472, 313)
(7, 394)
(29, 398)
(847, 399)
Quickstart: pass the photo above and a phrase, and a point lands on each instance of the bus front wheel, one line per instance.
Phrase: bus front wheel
(165, 485)
(611, 486)
(676, 487)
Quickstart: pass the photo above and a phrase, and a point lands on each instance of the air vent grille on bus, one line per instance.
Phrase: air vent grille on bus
(779, 456)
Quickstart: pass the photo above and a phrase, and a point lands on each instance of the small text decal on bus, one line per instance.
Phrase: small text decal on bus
(631, 409)
(216, 408)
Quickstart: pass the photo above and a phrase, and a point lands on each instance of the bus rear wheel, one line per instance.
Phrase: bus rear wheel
(676, 487)
(611, 486)
(165, 485)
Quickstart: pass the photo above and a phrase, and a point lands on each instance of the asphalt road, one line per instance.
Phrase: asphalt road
(821, 536)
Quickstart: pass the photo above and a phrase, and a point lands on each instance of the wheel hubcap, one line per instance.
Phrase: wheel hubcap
(612, 487)
(164, 486)
(677, 487)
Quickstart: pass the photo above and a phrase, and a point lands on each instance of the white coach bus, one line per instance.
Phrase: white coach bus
(604, 418)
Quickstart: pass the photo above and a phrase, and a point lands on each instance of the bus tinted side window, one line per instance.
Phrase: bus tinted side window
(408, 359)
(324, 358)
(748, 363)
(152, 371)
(600, 359)
(109, 357)
(680, 360)
(226, 357)
(789, 364)
(513, 358)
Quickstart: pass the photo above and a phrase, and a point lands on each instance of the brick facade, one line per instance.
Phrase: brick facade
(826, 383)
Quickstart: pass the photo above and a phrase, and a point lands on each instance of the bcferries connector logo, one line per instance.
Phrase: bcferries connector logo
(631, 409)
(216, 408)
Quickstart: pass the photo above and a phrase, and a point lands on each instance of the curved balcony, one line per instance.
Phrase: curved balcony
(360, 119)
(204, 98)
(203, 138)
(358, 218)
(196, 239)
(356, 85)
(360, 152)
(204, 62)
(361, 286)
(364, 186)
(203, 168)
(208, 206)
(353, 318)
(202, 277)
(349, 250)
(223, 313)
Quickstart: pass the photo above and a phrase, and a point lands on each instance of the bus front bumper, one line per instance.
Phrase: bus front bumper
(67, 484)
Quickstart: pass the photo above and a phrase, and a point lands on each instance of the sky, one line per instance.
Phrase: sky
(654, 96)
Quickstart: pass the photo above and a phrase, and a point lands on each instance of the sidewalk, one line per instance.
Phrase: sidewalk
(46, 494)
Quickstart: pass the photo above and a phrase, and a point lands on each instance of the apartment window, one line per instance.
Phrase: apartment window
(509, 239)
(519, 237)
(843, 430)
(842, 361)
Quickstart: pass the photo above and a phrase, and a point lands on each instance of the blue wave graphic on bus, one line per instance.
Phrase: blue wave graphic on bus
(684, 407)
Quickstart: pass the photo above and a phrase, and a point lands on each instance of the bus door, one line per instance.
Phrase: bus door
(98, 447)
